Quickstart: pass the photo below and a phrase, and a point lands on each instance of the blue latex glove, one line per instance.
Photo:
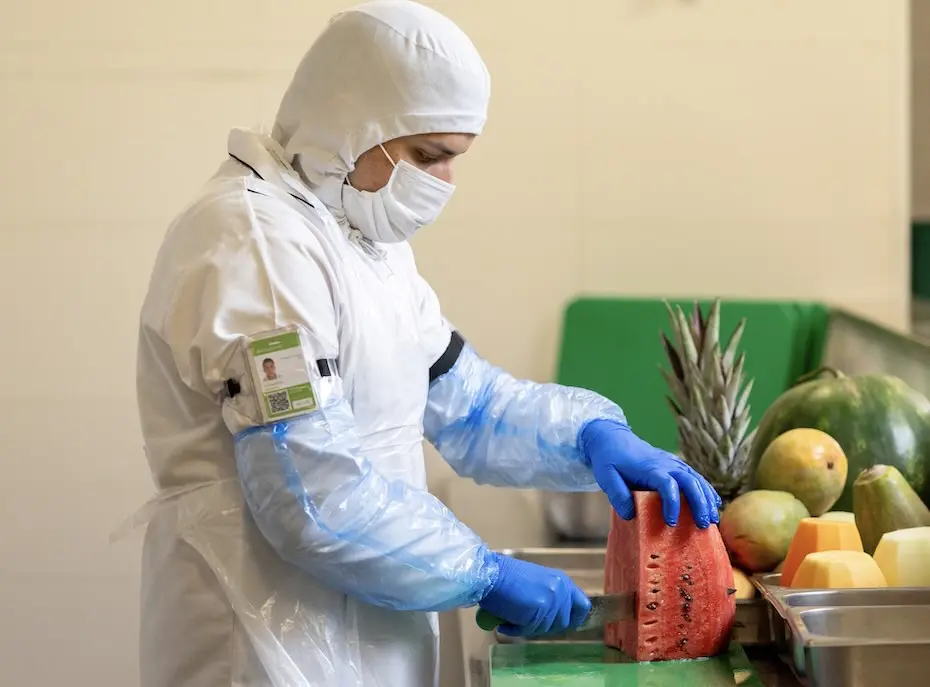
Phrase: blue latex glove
(620, 460)
(534, 600)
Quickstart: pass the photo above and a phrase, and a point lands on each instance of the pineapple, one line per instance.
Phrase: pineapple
(709, 399)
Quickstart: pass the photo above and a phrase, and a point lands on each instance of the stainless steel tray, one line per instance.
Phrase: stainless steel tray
(841, 598)
(873, 646)
(784, 599)
(752, 627)
(851, 637)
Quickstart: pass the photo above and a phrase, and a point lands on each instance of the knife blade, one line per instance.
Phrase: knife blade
(605, 609)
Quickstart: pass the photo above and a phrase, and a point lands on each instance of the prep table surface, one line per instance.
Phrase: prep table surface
(593, 665)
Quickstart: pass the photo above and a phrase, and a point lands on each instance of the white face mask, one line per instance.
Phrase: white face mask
(411, 199)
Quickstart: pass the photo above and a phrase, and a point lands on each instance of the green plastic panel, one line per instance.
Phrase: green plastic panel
(585, 664)
(613, 346)
(920, 259)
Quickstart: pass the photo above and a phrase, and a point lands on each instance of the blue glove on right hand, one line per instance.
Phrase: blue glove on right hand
(534, 600)
(621, 461)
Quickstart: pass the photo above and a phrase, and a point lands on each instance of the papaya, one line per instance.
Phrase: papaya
(807, 463)
(758, 526)
(884, 502)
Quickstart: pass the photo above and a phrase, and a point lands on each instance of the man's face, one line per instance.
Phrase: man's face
(269, 368)
(433, 153)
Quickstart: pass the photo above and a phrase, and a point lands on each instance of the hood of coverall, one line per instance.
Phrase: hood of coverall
(380, 70)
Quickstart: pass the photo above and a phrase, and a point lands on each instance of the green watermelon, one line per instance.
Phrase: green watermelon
(877, 419)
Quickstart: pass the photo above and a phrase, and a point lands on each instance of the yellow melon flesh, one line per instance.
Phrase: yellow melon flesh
(839, 515)
(744, 587)
(904, 557)
(838, 570)
(815, 535)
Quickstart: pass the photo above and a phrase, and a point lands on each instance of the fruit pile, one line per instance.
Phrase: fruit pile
(831, 489)
(785, 523)
(885, 542)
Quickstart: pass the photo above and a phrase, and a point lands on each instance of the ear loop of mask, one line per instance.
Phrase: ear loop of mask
(387, 155)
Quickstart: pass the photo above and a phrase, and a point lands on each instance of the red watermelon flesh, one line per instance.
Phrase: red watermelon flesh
(682, 578)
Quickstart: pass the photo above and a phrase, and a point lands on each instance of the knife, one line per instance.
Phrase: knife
(605, 609)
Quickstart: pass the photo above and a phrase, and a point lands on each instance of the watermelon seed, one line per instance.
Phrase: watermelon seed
(651, 622)
(652, 605)
(655, 591)
(653, 556)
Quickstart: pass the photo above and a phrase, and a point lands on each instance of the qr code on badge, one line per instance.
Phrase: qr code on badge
(278, 402)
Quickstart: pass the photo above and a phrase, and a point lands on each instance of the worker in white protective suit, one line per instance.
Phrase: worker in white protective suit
(292, 542)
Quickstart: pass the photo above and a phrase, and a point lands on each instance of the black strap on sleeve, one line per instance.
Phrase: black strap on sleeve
(328, 367)
(448, 358)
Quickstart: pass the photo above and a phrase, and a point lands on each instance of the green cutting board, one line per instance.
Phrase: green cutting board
(585, 664)
(613, 346)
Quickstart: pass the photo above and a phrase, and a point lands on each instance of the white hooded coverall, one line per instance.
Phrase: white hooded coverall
(306, 552)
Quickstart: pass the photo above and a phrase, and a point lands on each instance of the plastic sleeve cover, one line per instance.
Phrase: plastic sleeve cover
(499, 430)
(327, 511)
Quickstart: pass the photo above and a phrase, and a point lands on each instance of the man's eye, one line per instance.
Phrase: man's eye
(424, 158)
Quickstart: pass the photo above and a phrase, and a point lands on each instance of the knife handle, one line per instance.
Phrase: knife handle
(486, 620)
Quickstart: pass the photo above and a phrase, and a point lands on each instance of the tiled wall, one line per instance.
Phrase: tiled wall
(636, 146)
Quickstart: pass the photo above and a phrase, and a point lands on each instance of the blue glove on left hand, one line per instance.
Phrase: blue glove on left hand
(621, 460)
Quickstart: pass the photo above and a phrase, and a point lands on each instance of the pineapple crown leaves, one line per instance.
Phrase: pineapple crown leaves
(705, 383)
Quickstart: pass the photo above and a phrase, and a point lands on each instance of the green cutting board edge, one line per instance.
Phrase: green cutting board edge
(592, 664)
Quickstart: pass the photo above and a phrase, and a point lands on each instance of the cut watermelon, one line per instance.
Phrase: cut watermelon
(682, 578)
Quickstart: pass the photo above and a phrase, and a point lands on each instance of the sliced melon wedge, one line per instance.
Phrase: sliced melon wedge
(815, 535)
(904, 557)
(838, 570)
